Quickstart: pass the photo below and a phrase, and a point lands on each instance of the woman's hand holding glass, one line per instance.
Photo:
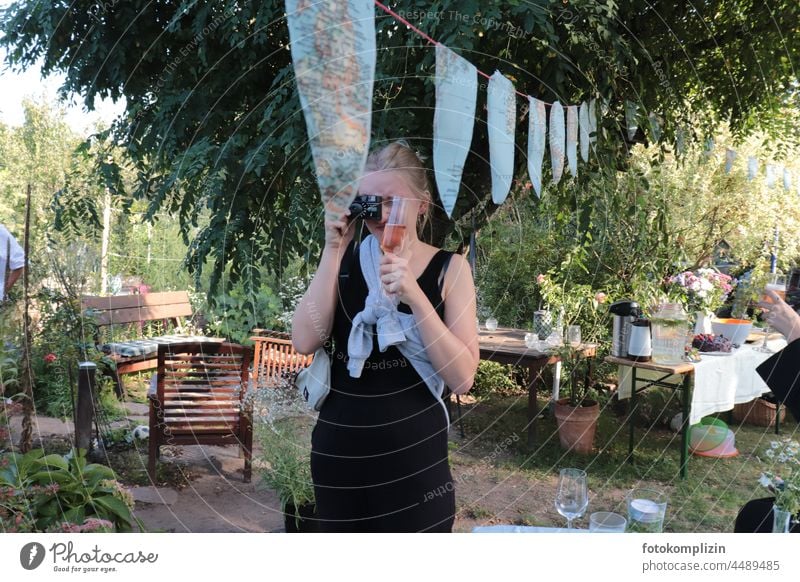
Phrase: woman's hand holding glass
(780, 315)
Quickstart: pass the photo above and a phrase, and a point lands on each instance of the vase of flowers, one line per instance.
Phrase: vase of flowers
(784, 484)
(702, 292)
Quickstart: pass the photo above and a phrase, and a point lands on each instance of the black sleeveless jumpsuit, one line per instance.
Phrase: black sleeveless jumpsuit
(379, 449)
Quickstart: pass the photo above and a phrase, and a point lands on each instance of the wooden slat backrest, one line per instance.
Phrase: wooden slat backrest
(136, 308)
(276, 358)
(201, 387)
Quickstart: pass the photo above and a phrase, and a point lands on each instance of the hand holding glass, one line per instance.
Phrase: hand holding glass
(776, 283)
(394, 233)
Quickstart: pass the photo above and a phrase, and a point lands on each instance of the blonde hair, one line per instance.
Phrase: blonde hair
(399, 157)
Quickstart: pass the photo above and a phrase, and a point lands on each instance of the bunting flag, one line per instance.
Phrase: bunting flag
(770, 176)
(787, 179)
(557, 140)
(453, 121)
(583, 122)
(730, 156)
(537, 128)
(630, 119)
(593, 129)
(572, 139)
(752, 167)
(328, 35)
(501, 119)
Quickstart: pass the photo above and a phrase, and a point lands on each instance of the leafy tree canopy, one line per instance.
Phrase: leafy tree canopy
(213, 125)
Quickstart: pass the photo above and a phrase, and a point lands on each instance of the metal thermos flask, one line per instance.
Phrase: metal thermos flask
(623, 312)
(640, 347)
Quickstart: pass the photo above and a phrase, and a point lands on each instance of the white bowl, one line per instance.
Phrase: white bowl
(735, 330)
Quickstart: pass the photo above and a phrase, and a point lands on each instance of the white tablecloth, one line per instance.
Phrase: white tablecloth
(719, 381)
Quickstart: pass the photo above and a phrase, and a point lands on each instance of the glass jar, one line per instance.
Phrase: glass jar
(669, 326)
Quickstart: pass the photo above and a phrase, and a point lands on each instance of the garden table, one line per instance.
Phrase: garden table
(714, 384)
(507, 346)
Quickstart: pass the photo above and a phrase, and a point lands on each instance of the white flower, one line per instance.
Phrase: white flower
(770, 453)
(774, 444)
(765, 481)
(782, 458)
(706, 285)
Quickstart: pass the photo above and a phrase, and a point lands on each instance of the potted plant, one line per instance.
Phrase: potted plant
(577, 414)
(283, 426)
(287, 469)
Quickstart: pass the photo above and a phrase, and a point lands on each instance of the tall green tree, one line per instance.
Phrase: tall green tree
(213, 122)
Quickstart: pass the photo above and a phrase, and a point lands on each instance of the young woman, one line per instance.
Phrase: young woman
(379, 450)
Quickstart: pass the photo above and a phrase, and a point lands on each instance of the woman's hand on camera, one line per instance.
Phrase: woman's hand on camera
(780, 315)
(339, 232)
(398, 280)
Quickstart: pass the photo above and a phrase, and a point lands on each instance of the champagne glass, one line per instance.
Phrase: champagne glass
(394, 232)
(776, 283)
(572, 496)
(574, 335)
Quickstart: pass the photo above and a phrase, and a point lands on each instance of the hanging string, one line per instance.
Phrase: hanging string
(396, 16)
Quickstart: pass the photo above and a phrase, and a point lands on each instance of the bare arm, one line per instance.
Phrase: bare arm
(452, 344)
(13, 276)
(312, 321)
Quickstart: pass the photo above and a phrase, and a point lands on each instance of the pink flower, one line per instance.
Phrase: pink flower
(600, 297)
(540, 278)
(50, 358)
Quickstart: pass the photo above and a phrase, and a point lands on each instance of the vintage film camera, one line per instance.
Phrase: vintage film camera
(366, 207)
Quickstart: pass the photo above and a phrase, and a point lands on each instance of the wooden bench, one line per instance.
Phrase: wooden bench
(133, 311)
(200, 398)
(275, 358)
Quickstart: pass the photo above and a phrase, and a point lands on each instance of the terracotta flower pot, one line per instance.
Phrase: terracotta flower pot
(576, 426)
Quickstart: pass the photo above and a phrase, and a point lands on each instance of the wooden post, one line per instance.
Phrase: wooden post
(105, 242)
(26, 377)
(84, 411)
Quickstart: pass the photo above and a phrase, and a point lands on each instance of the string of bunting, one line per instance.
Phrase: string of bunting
(572, 128)
(454, 117)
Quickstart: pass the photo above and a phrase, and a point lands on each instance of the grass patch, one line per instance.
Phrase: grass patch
(706, 501)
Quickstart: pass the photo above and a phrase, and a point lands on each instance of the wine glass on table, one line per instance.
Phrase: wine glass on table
(776, 283)
(572, 496)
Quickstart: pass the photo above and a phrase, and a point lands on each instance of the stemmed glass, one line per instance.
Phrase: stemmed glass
(572, 496)
(574, 335)
(776, 283)
(394, 232)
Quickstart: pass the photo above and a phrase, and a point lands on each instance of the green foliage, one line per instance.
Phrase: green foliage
(492, 378)
(235, 314)
(63, 338)
(286, 450)
(212, 126)
(54, 493)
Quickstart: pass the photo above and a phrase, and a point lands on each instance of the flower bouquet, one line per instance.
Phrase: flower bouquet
(785, 485)
(702, 292)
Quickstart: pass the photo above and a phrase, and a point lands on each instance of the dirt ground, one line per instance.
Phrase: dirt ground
(214, 498)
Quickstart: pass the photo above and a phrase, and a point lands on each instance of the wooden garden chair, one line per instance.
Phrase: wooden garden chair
(199, 399)
(275, 357)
